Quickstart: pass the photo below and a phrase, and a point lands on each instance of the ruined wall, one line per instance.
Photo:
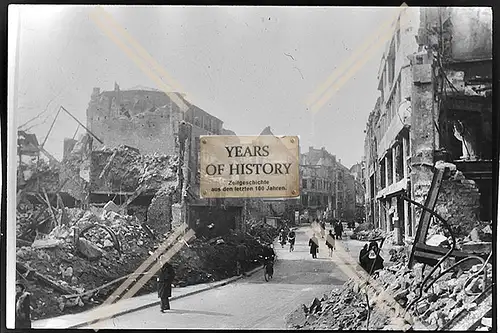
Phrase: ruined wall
(459, 203)
(160, 210)
(146, 120)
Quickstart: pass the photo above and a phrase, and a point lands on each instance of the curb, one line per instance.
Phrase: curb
(145, 306)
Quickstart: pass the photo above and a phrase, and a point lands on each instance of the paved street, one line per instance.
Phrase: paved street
(250, 302)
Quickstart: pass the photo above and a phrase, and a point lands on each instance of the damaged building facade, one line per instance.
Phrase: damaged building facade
(151, 122)
(328, 188)
(434, 105)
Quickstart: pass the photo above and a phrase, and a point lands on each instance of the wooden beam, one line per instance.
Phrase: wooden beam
(95, 137)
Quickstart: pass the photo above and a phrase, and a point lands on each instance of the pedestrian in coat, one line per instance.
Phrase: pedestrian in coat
(314, 246)
(241, 255)
(338, 230)
(330, 242)
(23, 308)
(322, 226)
(165, 280)
(283, 236)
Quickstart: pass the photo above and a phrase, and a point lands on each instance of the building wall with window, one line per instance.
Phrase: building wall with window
(456, 45)
(387, 130)
(328, 188)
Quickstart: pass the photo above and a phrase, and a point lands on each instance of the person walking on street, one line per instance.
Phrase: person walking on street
(314, 246)
(338, 230)
(291, 239)
(322, 226)
(330, 242)
(241, 254)
(23, 308)
(283, 237)
(165, 280)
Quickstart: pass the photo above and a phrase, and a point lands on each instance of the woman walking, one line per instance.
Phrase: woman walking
(165, 280)
(314, 246)
(330, 242)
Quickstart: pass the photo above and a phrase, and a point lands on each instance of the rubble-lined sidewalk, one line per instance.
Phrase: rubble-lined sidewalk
(122, 307)
(72, 258)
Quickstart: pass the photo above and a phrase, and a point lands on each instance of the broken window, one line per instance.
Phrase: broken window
(382, 173)
(399, 161)
(305, 200)
(390, 171)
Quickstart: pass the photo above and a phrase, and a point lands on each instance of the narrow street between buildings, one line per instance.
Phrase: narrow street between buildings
(250, 302)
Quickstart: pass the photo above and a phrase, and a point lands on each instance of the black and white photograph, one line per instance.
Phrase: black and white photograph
(250, 167)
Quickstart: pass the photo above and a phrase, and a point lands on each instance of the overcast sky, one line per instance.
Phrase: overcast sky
(251, 67)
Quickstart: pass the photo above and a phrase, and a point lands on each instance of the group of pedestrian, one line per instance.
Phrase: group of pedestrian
(287, 236)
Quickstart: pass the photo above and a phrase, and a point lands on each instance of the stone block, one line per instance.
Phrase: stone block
(111, 206)
(88, 249)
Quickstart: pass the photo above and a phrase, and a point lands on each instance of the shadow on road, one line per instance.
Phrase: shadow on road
(317, 271)
(208, 313)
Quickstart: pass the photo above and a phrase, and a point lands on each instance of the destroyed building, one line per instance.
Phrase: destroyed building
(153, 122)
(328, 188)
(435, 105)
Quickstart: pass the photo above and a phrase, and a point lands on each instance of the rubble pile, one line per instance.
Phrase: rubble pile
(125, 169)
(450, 294)
(345, 308)
(264, 232)
(215, 259)
(366, 235)
(38, 175)
(342, 309)
(78, 262)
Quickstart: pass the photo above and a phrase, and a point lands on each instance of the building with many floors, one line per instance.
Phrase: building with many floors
(434, 105)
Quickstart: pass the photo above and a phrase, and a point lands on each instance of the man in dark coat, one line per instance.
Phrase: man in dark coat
(165, 280)
(313, 246)
(23, 309)
(241, 256)
(338, 230)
